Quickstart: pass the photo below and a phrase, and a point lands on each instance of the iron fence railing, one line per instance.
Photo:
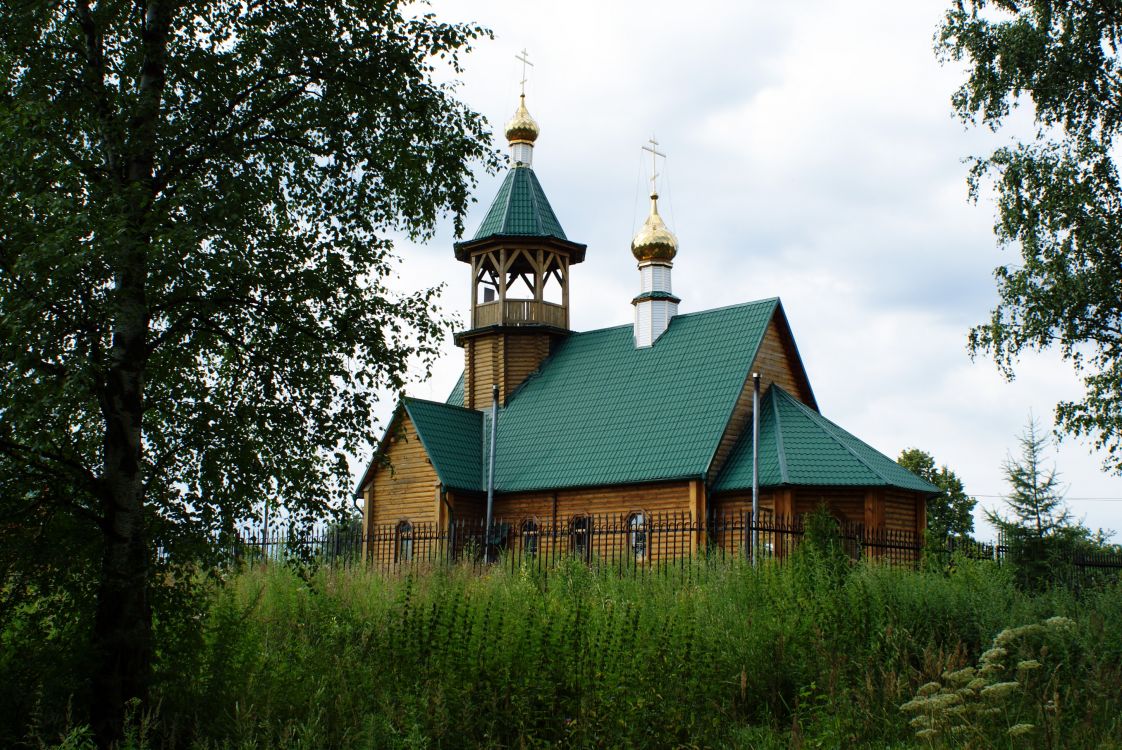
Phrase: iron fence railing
(635, 542)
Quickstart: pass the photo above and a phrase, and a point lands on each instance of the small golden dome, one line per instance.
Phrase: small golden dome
(654, 240)
(522, 128)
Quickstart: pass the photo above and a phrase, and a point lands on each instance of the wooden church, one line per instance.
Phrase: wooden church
(631, 421)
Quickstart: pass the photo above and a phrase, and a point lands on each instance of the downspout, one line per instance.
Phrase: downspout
(755, 466)
(451, 522)
(491, 475)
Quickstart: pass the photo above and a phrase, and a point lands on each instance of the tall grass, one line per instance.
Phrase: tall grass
(777, 656)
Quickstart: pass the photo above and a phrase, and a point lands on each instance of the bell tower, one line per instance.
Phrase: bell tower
(520, 260)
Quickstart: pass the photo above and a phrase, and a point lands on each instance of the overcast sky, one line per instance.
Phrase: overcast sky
(813, 156)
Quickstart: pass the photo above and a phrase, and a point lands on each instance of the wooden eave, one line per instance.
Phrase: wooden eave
(459, 337)
(465, 249)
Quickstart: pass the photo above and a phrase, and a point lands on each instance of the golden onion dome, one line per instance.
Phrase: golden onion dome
(654, 242)
(522, 128)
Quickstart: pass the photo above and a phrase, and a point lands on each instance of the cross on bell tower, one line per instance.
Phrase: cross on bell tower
(524, 58)
(652, 148)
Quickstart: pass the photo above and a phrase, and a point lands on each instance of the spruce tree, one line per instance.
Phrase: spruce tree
(1039, 528)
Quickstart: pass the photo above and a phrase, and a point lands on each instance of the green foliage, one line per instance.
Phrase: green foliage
(1058, 195)
(952, 513)
(822, 551)
(704, 656)
(288, 139)
(195, 204)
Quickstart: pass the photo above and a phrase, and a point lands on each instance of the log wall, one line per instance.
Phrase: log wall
(407, 488)
(502, 359)
(605, 505)
(905, 511)
(523, 355)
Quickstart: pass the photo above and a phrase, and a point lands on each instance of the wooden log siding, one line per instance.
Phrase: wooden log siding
(523, 354)
(502, 359)
(775, 362)
(900, 510)
(481, 370)
(407, 487)
(846, 503)
(606, 505)
(736, 508)
(736, 503)
(606, 536)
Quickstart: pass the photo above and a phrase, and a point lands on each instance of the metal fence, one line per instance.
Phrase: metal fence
(635, 543)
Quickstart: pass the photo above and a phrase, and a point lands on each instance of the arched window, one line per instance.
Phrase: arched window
(637, 535)
(529, 533)
(404, 542)
(580, 537)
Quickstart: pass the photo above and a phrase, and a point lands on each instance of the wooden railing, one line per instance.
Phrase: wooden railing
(517, 312)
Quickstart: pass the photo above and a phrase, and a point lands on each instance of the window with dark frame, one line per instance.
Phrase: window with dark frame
(404, 534)
(637, 535)
(530, 538)
(580, 537)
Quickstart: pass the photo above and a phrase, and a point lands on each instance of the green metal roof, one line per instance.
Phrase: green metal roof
(798, 446)
(655, 295)
(456, 397)
(600, 411)
(520, 208)
(453, 438)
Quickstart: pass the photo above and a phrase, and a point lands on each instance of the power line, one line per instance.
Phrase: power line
(1115, 499)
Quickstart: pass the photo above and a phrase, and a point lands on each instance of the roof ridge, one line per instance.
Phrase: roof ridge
(683, 315)
(829, 428)
(445, 404)
(727, 307)
(782, 455)
(535, 207)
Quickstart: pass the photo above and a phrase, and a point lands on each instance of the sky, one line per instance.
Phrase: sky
(812, 154)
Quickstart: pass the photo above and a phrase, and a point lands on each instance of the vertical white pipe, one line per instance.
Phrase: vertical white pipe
(755, 465)
(491, 475)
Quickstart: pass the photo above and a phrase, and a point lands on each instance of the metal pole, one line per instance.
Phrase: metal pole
(491, 475)
(755, 466)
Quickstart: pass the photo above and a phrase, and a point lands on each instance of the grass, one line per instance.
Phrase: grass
(800, 655)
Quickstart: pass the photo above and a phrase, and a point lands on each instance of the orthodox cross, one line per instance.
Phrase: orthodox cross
(524, 58)
(655, 153)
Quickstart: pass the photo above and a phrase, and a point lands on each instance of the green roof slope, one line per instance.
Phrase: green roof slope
(453, 438)
(602, 412)
(798, 446)
(520, 208)
(456, 397)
